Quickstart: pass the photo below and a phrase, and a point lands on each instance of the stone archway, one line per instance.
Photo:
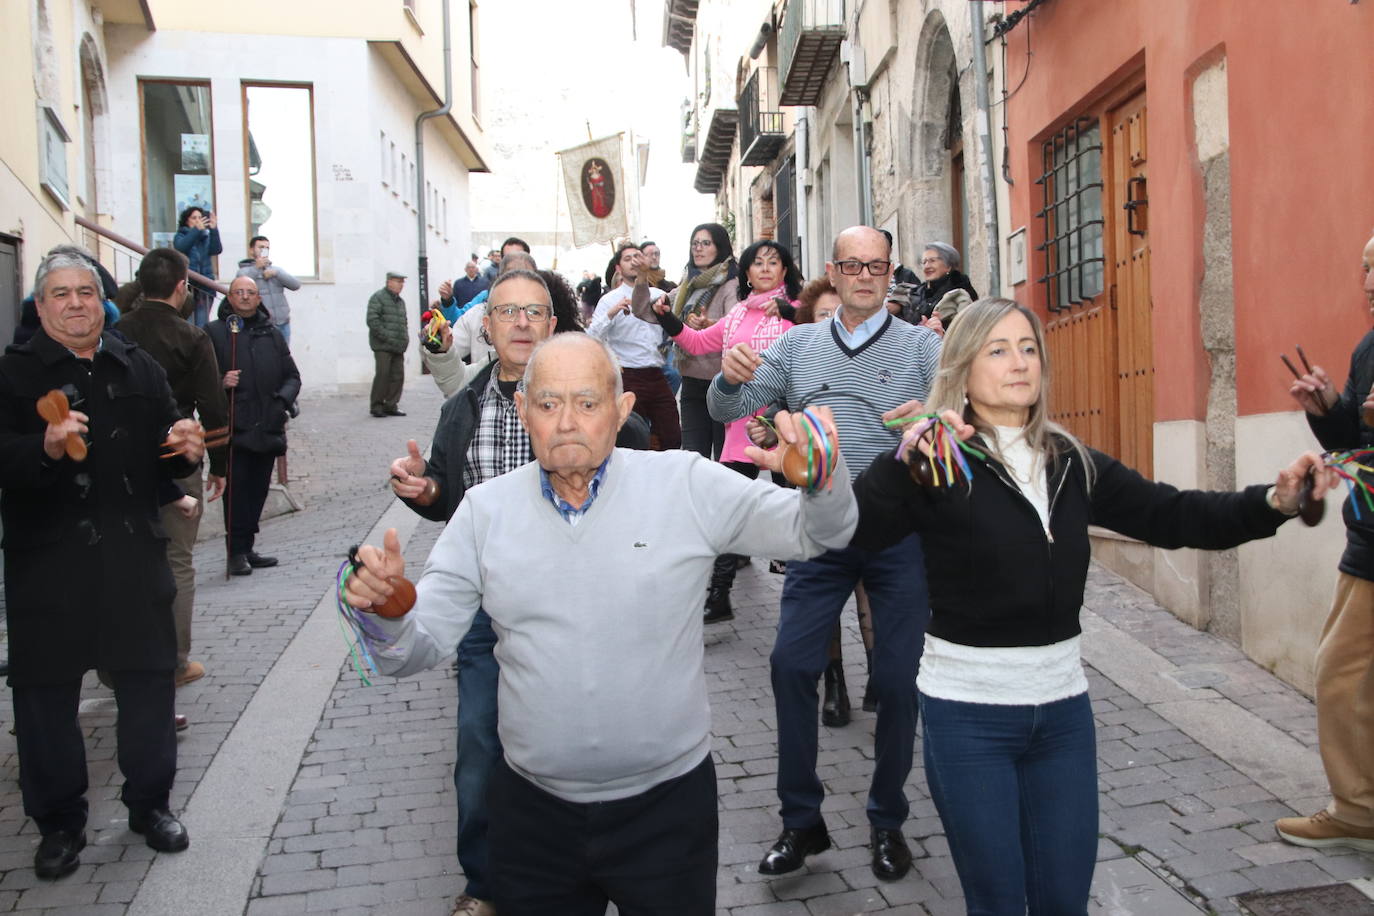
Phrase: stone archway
(936, 126)
(95, 109)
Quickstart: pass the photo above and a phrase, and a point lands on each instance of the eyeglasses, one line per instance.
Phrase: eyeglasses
(927, 262)
(854, 268)
(534, 314)
(703, 243)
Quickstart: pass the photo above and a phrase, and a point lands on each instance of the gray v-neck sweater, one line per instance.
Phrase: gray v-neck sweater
(602, 693)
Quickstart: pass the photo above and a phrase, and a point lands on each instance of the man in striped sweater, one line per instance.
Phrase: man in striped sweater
(867, 367)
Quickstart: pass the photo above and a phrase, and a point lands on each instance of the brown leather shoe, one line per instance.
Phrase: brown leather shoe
(181, 722)
(471, 906)
(193, 671)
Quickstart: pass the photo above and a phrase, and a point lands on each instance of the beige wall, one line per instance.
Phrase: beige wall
(26, 209)
(372, 20)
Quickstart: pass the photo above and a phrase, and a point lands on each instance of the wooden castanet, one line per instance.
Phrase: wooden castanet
(54, 409)
(797, 467)
(1310, 510)
(401, 601)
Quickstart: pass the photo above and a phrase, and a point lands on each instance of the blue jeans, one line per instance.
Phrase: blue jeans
(1016, 784)
(479, 750)
(670, 370)
(285, 332)
(813, 594)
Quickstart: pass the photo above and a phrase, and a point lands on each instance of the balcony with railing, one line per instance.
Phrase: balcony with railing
(760, 130)
(810, 41)
(679, 24)
(715, 151)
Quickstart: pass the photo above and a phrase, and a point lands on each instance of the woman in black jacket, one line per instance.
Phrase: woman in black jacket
(940, 276)
(1010, 754)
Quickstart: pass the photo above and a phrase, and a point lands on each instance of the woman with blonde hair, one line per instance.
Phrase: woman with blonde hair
(1010, 754)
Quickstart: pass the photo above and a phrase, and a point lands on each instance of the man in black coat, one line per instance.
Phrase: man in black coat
(80, 494)
(184, 353)
(263, 382)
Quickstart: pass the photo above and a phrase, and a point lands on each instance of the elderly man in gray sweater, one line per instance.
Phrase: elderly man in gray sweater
(591, 561)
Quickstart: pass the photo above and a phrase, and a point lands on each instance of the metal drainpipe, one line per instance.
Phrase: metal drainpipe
(803, 164)
(983, 126)
(865, 176)
(420, 194)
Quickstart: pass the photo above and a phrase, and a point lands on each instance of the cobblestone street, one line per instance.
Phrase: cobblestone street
(306, 791)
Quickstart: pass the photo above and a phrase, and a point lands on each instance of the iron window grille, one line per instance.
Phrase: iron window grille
(1071, 186)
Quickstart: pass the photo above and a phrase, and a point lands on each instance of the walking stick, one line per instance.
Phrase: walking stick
(235, 325)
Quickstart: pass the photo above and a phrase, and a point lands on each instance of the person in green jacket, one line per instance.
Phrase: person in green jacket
(388, 336)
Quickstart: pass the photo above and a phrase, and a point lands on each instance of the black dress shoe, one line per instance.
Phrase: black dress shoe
(792, 848)
(379, 413)
(891, 855)
(160, 829)
(239, 566)
(395, 412)
(258, 561)
(57, 854)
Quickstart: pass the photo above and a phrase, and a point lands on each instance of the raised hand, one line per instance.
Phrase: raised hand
(407, 473)
(739, 363)
(369, 583)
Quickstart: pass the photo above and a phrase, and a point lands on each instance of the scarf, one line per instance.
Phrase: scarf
(695, 292)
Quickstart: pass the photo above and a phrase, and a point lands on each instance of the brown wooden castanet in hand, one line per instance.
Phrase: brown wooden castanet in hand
(401, 601)
(795, 465)
(1310, 510)
(54, 409)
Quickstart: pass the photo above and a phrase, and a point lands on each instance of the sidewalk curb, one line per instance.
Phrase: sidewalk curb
(238, 801)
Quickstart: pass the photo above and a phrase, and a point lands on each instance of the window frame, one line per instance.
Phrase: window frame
(1064, 154)
(144, 81)
(244, 86)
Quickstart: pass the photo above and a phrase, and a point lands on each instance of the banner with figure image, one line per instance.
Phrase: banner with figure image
(595, 185)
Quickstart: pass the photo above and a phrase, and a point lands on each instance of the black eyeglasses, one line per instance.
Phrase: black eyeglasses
(703, 243)
(853, 268)
(534, 314)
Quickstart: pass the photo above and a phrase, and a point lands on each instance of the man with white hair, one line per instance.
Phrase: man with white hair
(606, 792)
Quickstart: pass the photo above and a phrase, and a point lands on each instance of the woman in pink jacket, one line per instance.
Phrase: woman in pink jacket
(769, 283)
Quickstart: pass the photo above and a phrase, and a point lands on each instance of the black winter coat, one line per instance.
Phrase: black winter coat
(86, 578)
(996, 578)
(1342, 429)
(926, 296)
(268, 380)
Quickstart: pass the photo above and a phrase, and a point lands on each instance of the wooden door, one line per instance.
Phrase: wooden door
(1129, 278)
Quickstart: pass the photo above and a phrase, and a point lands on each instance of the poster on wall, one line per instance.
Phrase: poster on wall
(163, 239)
(194, 191)
(594, 182)
(195, 152)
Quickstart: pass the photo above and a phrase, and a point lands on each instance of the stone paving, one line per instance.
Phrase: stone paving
(368, 824)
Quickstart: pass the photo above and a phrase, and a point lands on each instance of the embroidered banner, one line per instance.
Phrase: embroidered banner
(595, 185)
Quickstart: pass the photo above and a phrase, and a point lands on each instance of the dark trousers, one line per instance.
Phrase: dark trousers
(813, 595)
(479, 751)
(250, 474)
(653, 853)
(52, 750)
(388, 380)
(700, 433)
(654, 402)
(991, 768)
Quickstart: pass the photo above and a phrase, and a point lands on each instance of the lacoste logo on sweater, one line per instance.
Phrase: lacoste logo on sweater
(640, 544)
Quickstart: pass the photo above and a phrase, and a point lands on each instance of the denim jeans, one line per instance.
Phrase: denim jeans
(1016, 784)
(479, 750)
(813, 594)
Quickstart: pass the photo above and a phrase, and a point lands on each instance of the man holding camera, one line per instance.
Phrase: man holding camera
(272, 283)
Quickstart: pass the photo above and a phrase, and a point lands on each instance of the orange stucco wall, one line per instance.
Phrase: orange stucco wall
(1301, 124)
